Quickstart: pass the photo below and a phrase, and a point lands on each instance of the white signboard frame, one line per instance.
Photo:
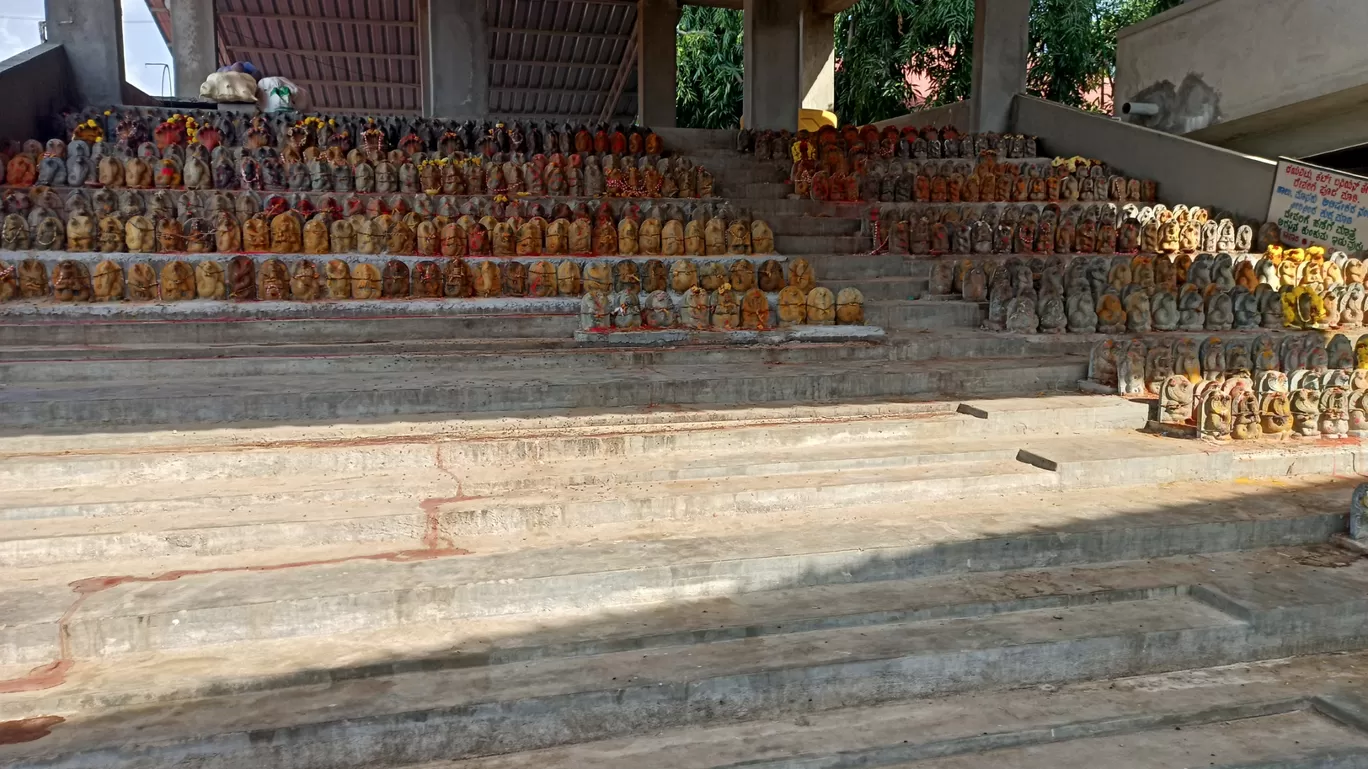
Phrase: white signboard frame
(1314, 205)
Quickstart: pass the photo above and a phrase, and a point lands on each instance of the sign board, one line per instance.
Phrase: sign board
(1317, 206)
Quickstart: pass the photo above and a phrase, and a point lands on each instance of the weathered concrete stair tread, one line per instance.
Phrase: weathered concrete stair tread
(1065, 412)
(516, 639)
(255, 361)
(974, 727)
(350, 396)
(86, 507)
(582, 569)
(845, 666)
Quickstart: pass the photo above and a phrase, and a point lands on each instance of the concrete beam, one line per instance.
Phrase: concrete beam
(91, 32)
(458, 64)
(193, 52)
(818, 57)
(657, 22)
(1002, 40)
(773, 30)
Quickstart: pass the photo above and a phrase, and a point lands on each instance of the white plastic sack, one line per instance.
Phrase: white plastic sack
(229, 87)
(276, 94)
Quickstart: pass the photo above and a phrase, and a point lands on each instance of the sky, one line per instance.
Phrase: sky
(142, 42)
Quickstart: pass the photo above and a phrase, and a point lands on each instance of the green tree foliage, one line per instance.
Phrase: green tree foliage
(709, 67)
(881, 43)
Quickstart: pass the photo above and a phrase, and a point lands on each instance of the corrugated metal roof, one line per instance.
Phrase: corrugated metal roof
(559, 57)
(547, 58)
(352, 55)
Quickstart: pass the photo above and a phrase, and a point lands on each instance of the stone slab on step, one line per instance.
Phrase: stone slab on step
(784, 613)
(303, 330)
(548, 701)
(171, 459)
(370, 396)
(218, 600)
(798, 245)
(680, 336)
(1279, 707)
(1127, 458)
(915, 315)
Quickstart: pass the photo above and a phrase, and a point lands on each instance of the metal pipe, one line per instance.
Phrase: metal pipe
(1139, 108)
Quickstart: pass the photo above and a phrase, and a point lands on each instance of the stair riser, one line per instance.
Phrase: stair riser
(341, 406)
(500, 654)
(99, 368)
(791, 245)
(291, 331)
(494, 517)
(397, 531)
(925, 317)
(261, 365)
(407, 527)
(93, 636)
(469, 459)
(543, 721)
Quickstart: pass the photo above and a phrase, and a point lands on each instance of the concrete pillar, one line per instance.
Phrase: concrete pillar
(91, 33)
(773, 29)
(818, 82)
(194, 55)
(1002, 39)
(657, 28)
(458, 67)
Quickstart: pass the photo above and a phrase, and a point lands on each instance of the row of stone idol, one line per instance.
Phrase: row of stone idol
(1140, 366)
(1091, 229)
(1243, 389)
(128, 127)
(272, 279)
(721, 310)
(927, 142)
(1112, 295)
(287, 232)
(197, 168)
(959, 182)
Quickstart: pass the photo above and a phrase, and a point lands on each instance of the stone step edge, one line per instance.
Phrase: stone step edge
(734, 572)
(686, 634)
(492, 726)
(509, 425)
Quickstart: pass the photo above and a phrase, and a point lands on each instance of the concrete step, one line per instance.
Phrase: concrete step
(185, 601)
(348, 397)
(771, 189)
(916, 315)
(206, 502)
(947, 636)
(171, 458)
(881, 289)
(790, 225)
(798, 245)
(831, 266)
(1287, 713)
(304, 330)
(106, 363)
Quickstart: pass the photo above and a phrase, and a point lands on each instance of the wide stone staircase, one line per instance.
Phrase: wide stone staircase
(458, 539)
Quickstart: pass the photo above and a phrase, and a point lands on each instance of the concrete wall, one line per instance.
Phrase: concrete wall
(956, 115)
(36, 84)
(1213, 62)
(1187, 171)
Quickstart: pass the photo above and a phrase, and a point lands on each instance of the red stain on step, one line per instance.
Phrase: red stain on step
(27, 729)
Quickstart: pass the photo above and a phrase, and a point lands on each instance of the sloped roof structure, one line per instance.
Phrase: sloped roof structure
(547, 58)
